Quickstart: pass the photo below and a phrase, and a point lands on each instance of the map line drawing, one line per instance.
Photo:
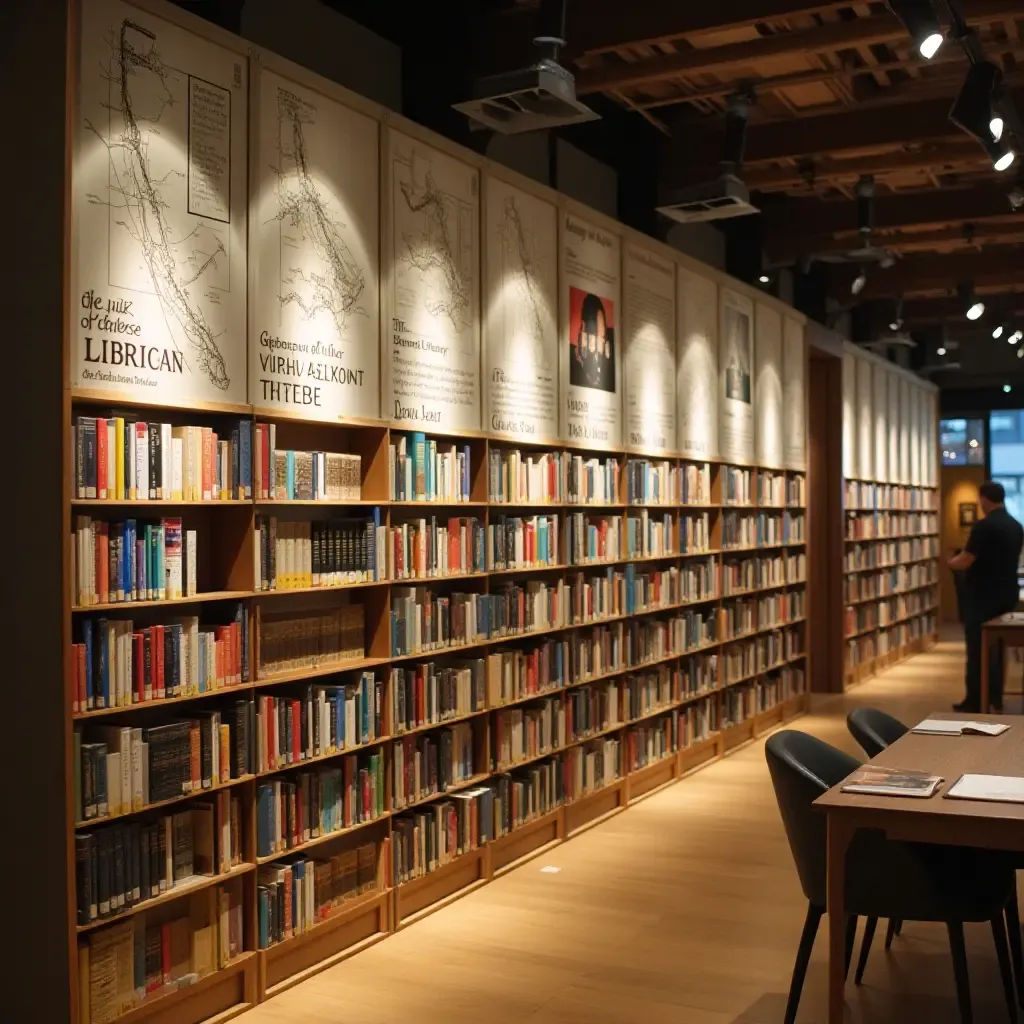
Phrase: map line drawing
(338, 287)
(519, 249)
(135, 192)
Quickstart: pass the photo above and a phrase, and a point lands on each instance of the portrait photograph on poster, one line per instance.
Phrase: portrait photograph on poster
(736, 326)
(591, 341)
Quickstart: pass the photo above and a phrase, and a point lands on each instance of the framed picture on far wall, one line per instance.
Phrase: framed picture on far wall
(968, 514)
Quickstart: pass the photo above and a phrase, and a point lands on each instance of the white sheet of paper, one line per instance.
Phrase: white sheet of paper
(953, 727)
(1001, 788)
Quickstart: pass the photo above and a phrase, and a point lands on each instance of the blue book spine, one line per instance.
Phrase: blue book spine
(465, 472)
(104, 680)
(263, 821)
(365, 698)
(263, 898)
(90, 695)
(236, 464)
(247, 450)
(290, 464)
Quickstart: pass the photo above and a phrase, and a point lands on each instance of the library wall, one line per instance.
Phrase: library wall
(416, 517)
(891, 508)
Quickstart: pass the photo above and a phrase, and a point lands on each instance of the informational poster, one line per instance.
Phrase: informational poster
(649, 321)
(894, 428)
(158, 288)
(314, 328)
(591, 372)
(849, 415)
(431, 354)
(930, 433)
(904, 422)
(696, 365)
(768, 386)
(520, 313)
(865, 437)
(794, 394)
(880, 411)
(914, 411)
(735, 377)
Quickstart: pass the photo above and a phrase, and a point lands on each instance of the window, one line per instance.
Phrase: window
(1006, 437)
(962, 442)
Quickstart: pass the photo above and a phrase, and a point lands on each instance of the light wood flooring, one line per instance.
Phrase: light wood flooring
(685, 908)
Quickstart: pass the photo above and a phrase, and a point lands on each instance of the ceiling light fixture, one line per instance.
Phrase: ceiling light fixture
(1003, 159)
(858, 282)
(894, 326)
(975, 111)
(918, 18)
(995, 126)
(1016, 336)
(1006, 387)
(998, 332)
(1020, 353)
(764, 279)
(941, 350)
(974, 308)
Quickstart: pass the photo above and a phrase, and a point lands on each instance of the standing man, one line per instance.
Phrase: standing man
(989, 563)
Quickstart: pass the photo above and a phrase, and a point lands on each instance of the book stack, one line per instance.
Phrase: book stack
(282, 474)
(737, 485)
(651, 483)
(647, 591)
(424, 548)
(648, 692)
(771, 489)
(593, 708)
(698, 722)
(319, 722)
(532, 478)
(796, 491)
(423, 469)
(699, 675)
(770, 529)
(423, 621)
(738, 575)
(592, 481)
(739, 530)
(292, 642)
(517, 673)
(335, 553)
(739, 617)
(695, 484)
(523, 542)
(128, 560)
(121, 866)
(426, 765)
(591, 767)
(524, 733)
(647, 743)
(650, 536)
(525, 794)
(430, 694)
(694, 533)
(592, 538)
(119, 460)
(309, 805)
(114, 664)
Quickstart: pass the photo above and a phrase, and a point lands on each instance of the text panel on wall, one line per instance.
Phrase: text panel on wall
(893, 390)
(649, 308)
(590, 372)
(849, 415)
(913, 411)
(735, 377)
(865, 437)
(768, 386)
(794, 376)
(432, 352)
(904, 421)
(314, 346)
(880, 409)
(697, 365)
(158, 289)
(520, 339)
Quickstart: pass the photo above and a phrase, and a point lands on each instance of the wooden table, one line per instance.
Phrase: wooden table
(951, 822)
(1010, 629)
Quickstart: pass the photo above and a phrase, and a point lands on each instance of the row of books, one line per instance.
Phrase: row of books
(771, 488)
(651, 482)
(523, 542)
(551, 477)
(292, 642)
(430, 694)
(865, 525)
(285, 474)
(295, 809)
(119, 460)
(293, 897)
(862, 495)
(298, 555)
(424, 469)
(140, 960)
(118, 662)
(889, 553)
(120, 770)
(429, 838)
(318, 722)
(737, 485)
(129, 560)
(650, 536)
(742, 574)
(121, 866)
(424, 765)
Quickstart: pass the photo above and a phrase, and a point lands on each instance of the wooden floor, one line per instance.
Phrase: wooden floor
(685, 909)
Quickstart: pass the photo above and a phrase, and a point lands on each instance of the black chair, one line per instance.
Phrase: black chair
(875, 730)
(907, 881)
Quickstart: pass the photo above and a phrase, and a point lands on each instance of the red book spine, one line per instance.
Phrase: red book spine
(268, 491)
(349, 762)
(101, 458)
(139, 668)
(297, 737)
(159, 686)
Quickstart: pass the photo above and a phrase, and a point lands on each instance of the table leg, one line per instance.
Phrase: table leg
(984, 671)
(839, 835)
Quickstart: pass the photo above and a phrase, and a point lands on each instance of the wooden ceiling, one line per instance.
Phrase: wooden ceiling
(840, 92)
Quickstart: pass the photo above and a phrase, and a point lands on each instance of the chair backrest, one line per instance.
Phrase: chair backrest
(874, 730)
(803, 767)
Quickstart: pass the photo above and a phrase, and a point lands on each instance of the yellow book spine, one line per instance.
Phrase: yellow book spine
(119, 457)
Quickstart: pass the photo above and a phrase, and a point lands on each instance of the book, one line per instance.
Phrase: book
(997, 788)
(878, 781)
(951, 727)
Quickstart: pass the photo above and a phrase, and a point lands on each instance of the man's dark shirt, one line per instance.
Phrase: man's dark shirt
(990, 584)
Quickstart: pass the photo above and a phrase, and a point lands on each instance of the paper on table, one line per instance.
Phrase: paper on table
(1001, 788)
(951, 727)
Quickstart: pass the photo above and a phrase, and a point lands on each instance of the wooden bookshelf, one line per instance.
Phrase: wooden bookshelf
(701, 722)
(890, 584)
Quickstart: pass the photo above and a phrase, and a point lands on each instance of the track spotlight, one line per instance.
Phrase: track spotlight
(1002, 157)
(974, 308)
(941, 350)
(858, 283)
(1007, 389)
(1020, 353)
(975, 111)
(865, 193)
(995, 126)
(919, 20)
(734, 145)
(998, 332)
(764, 279)
(1015, 337)
(894, 326)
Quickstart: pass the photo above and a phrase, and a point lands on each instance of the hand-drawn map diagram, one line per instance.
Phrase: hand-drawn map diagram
(315, 324)
(435, 297)
(521, 343)
(159, 196)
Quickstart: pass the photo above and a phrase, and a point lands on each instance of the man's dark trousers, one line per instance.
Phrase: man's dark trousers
(972, 634)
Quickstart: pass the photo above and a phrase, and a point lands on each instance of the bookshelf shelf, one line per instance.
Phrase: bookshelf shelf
(211, 595)
(328, 837)
(468, 783)
(180, 891)
(321, 758)
(152, 705)
(158, 503)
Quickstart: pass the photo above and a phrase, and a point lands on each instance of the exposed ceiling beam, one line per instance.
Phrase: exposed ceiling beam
(918, 209)
(504, 40)
(954, 153)
(785, 250)
(894, 283)
(949, 268)
(839, 35)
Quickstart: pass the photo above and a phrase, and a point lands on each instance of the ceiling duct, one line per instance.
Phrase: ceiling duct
(533, 98)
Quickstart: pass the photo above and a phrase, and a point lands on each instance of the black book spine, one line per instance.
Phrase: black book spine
(206, 741)
(238, 739)
(155, 860)
(103, 884)
(83, 877)
(155, 461)
(144, 863)
(119, 889)
(250, 737)
(288, 726)
(161, 848)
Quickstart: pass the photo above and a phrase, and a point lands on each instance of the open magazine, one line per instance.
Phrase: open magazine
(877, 781)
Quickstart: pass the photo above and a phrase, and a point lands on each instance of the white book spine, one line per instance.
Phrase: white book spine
(141, 464)
(166, 460)
(113, 784)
